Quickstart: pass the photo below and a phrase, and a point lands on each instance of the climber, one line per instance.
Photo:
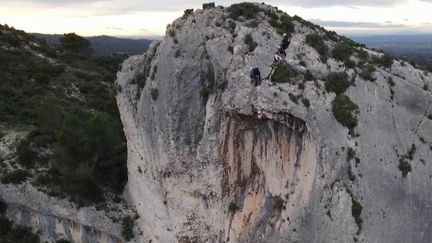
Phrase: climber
(285, 42)
(255, 75)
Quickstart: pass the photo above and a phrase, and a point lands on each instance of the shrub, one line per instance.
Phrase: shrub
(230, 49)
(293, 98)
(154, 93)
(187, 13)
(283, 24)
(337, 82)
(177, 53)
(18, 234)
(342, 51)
(171, 33)
(127, 231)
(356, 211)
(281, 74)
(426, 87)
(309, 76)
(231, 26)
(249, 41)
(317, 42)
(74, 42)
(15, 177)
(390, 81)
(351, 154)
(232, 207)
(404, 167)
(25, 153)
(306, 102)
(385, 61)
(345, 111)
(367, 72)
(63, 241)
(209, 5)
(246, 10)
(153, 75)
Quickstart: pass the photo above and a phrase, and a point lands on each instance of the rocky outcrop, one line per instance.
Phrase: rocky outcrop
(53, 219)
(204, 166)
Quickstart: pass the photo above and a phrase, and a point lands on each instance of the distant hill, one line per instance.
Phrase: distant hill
(107, 45)
(414, 48)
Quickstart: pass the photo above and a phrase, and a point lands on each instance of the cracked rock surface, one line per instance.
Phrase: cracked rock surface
(205, 167)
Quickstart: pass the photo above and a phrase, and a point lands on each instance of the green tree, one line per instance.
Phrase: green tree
(75, 43)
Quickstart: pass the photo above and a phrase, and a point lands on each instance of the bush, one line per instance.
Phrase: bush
(317, 42)
(127, 231)
(63, 241)
(154, 93)
(385, 61)
(367, 72)
(209, 5)
(249, 41)
(19, 234)
(404, 167)
(246, 10)
(15, 177)
(282, 73)
(283, 24)
(187, 13)
(75, 43)
(293, 98)
(356, 211)
(232, 207)
(309, 76)
(345, 111)
(25, 153)
(153, 75)
(306, 102)
(337, 82)
(342, 51)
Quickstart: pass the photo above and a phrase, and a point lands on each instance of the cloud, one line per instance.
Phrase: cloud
(113, 28)
(348, 24)
(122, 7)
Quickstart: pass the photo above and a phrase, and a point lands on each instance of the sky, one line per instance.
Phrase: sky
(148, 18)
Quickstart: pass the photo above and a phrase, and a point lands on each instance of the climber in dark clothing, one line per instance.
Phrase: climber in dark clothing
(255, 75)
(285, 42)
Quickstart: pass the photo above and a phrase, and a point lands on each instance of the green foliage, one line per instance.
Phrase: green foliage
(345, 111)
(75, 43)
(293, 98)
(187, 13)
(177, 53)
(18, 234)
(390, 81)
(245, 10)
(309, 76)
(337, 82)
(342, 51)
(282, 73)
(127, 231)
(232, 207)
(249, 41)
(356, 211)
(154, 93)
(63, 241)
(385, 61)
(404, 167)
(426, 87)
(26, 154)
(351, 154)
(15, 177)
(85, 134)
(306, 102)
(209, 5)
(283, 24)
(317, 42)
(153, 75)
(367, 72)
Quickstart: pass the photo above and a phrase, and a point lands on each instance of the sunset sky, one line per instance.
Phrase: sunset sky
(145, 18)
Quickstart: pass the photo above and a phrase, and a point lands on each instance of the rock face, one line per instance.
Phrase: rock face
(205, 167)
(54, 219)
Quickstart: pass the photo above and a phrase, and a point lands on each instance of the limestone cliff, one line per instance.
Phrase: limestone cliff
(205, 167)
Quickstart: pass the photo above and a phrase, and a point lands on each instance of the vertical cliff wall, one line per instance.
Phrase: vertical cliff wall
(211, 158)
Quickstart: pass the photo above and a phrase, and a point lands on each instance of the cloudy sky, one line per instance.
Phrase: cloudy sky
(150, 17)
